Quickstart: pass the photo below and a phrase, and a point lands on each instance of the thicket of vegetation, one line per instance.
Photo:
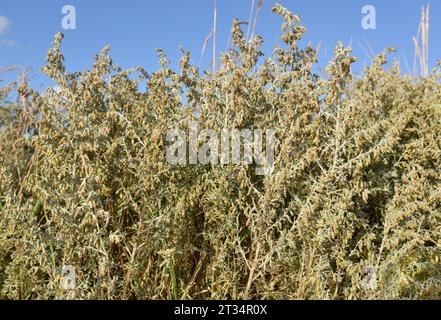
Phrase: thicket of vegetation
(84, 180)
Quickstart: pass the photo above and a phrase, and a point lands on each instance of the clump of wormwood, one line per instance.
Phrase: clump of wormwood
(85, 182)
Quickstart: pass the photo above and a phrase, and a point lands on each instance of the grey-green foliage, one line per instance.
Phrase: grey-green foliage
(356, 183)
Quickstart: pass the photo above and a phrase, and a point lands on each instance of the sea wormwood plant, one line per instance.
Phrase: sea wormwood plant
(356, 184)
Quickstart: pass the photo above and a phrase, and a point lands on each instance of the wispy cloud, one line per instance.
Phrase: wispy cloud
(5, 24)
(9, 43)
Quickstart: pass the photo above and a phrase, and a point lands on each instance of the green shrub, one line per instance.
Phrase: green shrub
(356, 183)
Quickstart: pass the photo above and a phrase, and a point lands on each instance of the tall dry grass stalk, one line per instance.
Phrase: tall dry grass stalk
(204, 47)
(259, 6)
(422, 52)
(249, 20)
(214, 36)
(6, 70)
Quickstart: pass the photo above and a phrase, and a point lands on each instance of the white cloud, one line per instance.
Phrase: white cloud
(5, 24)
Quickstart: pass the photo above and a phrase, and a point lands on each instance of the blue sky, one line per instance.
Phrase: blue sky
(135, 28)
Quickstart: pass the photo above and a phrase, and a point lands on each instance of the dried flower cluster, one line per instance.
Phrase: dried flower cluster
(84, 180)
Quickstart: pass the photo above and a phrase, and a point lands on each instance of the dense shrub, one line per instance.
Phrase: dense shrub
(356, 185)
